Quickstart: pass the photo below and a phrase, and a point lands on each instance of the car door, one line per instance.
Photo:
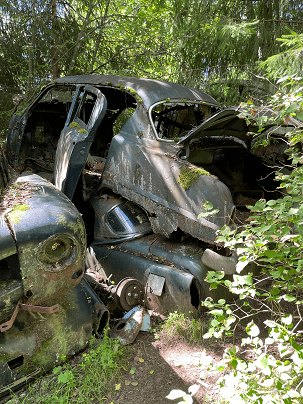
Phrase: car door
(85, 115)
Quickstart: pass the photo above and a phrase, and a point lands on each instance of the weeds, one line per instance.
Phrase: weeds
(89, 381)
(178, 325)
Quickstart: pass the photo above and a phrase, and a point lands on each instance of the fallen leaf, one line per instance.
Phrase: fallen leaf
(151, 372)
(193, 389)
(118, 386)
(134, 383)
(127, 382)
(175, 394)
(141, 360)
(75, 392)
(132, 371)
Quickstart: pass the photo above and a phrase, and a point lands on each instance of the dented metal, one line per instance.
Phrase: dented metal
(46, 309)
(138, 158)
(144, 135)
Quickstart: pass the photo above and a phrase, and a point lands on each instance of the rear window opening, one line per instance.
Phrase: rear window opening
(174, 120)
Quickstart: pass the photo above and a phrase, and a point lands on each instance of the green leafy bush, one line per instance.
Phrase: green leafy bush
(274, 240)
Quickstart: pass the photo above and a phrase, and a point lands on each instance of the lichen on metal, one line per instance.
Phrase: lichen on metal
(16, 212)
(189, 175)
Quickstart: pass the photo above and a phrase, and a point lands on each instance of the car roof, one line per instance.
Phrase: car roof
(151, 91)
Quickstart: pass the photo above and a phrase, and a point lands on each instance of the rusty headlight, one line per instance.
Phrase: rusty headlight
(59, 251)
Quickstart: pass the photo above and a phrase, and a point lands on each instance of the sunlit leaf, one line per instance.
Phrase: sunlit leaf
(193, 389)
(175, 394)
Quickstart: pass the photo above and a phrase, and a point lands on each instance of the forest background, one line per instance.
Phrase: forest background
(238, 52)
(224, 47)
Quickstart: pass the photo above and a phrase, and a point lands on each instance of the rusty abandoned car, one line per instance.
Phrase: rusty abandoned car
(44, 308)
(138, 158)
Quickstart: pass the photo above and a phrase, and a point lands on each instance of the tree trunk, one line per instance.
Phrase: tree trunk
(80, 36)
(31, 52)
(99, 37)
(55, 59)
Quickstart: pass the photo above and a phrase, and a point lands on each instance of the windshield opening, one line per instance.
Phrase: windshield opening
(174, 120)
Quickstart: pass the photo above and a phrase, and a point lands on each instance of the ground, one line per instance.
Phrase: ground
(156, 366)
(166, 366)
(161, 364)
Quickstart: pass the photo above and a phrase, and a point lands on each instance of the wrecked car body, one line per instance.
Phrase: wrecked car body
(165, 147)
(44, 308)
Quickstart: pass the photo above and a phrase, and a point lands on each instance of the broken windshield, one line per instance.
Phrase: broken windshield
(174, 120)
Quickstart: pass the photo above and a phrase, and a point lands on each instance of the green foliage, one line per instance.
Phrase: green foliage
(122, 119)
(209, 211)
(87, 382)
(216, 45)
(178, 325)
(274, 240)
(287, 62)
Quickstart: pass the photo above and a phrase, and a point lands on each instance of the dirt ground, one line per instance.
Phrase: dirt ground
(161, 366)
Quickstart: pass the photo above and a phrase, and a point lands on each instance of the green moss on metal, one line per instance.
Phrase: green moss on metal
(39, 135)
(17, 211)
(82, 130)
(77, 227)
(54, 339)
(188, 175)
(74, 125)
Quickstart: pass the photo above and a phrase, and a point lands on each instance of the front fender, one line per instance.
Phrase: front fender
(50, 238)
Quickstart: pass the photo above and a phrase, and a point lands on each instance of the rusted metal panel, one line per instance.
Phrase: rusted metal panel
(33, 309)
(49, 265)
(37, 341)
(155, 284)
(144, 172)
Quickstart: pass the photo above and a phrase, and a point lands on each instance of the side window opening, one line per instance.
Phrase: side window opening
(86, 107)
(120, 107)
(43, 129)
(174, 120)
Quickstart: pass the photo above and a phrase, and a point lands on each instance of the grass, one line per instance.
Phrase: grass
(88, 382)
(179, 326)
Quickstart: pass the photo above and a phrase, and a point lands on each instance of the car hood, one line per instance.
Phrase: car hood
(226, 125)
